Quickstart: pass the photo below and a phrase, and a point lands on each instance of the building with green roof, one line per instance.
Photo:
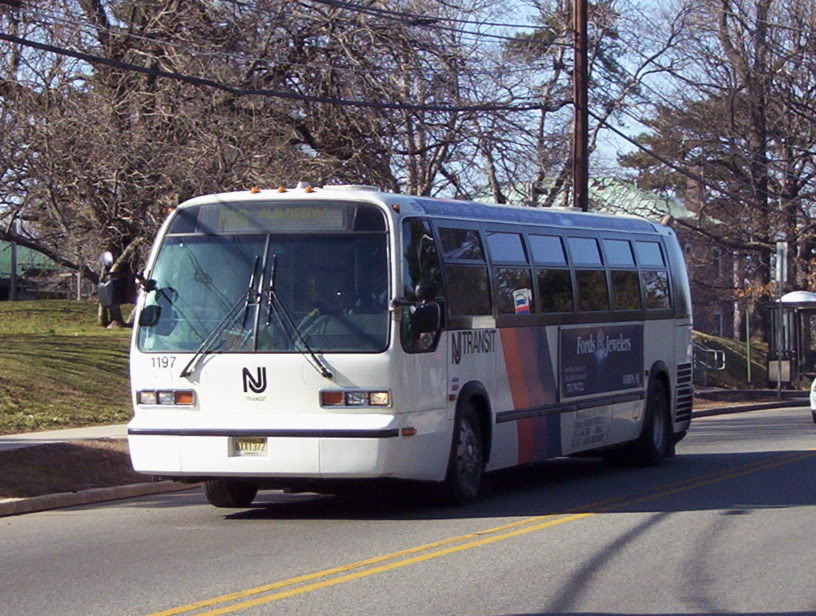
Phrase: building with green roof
(33, 269)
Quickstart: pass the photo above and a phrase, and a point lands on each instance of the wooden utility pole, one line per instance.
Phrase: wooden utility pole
(580, 134)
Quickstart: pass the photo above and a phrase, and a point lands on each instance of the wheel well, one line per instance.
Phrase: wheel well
(476, 395)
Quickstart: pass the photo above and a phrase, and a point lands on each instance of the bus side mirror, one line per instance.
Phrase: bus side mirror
(425, 290)
(426, 318)
(149, 316)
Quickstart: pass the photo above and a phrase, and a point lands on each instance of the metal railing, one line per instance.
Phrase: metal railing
(705, 359)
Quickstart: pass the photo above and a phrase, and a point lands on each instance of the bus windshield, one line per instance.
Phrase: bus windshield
(331, 294)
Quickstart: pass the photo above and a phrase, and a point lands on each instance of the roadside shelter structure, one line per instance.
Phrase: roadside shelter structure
(792, 338)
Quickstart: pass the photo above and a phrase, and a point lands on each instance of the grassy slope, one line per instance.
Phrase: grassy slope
(735, 375)
(58, 368)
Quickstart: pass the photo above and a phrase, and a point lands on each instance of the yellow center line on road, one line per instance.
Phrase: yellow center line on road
(404, 558)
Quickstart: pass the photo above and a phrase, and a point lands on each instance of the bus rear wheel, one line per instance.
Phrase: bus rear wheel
(230, 493)
(655, 442)
(463, 481)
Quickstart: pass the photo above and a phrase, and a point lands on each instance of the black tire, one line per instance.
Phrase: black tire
(230, 493)
(463, 481)
(813, 415)
(656, 440)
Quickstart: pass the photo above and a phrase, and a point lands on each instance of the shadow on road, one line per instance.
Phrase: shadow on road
(731, 483)
(764, 613)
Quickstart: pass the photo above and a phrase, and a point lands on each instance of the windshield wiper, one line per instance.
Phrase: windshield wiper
(250, 294)
(243, 302)
(272, 300)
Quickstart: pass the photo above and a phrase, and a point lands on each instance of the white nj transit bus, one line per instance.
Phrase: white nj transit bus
(313, 338)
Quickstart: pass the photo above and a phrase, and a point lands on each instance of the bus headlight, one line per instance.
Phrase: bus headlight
(356, 398)
(379, 398)
(165, 398)
(146, 397)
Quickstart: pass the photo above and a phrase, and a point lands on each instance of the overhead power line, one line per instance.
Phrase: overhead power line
(408, 19)
(416, 20)
(87, 28)
(424, 20)
(236, 91)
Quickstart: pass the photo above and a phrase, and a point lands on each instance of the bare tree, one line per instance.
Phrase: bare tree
(100, 143)
(740, 123)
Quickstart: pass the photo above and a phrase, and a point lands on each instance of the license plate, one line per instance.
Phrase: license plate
(249, 446)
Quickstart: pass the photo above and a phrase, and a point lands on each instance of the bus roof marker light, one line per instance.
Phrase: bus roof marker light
(254, 190)
(281, 189)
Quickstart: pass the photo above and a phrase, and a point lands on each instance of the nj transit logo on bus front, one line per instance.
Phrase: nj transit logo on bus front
(256, 383)
(470, 342)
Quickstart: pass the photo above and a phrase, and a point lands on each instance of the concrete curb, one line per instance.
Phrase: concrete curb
(18, 506)
(758, 406)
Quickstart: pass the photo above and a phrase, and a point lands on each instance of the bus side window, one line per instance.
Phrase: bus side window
(555, 290)
(593, 295)
(657, 290)
(468, 290)
(421, 272)
(625, 290)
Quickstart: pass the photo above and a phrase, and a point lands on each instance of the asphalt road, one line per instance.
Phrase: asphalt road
(725, 527)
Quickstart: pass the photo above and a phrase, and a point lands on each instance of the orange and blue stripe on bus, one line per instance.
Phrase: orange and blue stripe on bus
(532, 386)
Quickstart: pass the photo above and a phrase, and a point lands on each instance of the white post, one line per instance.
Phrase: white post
(781, 278)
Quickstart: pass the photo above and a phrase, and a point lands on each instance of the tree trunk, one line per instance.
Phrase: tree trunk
(110, 317)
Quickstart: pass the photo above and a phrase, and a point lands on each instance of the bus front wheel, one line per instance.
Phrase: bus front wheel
(466, 463)
(230, 493)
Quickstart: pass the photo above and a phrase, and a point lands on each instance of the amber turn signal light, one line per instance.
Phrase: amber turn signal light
(184, 397)
(331, 398)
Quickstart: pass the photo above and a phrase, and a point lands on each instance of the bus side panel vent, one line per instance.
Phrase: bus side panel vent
(684, 392)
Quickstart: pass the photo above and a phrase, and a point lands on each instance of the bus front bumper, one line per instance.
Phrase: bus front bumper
(346, 447)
